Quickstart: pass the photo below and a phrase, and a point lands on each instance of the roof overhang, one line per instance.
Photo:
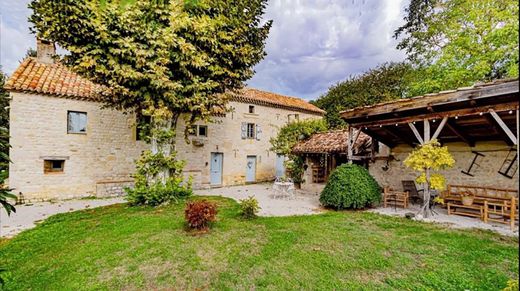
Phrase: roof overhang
(467, 111)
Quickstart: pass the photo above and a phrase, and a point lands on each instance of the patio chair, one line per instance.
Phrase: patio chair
(410, 187)
(395, 198)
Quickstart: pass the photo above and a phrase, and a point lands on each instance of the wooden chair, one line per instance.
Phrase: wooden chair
(502, 212)
(395, 198)
(410, 187)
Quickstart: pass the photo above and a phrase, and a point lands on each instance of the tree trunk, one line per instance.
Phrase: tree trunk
(425, 209)
(158, 145)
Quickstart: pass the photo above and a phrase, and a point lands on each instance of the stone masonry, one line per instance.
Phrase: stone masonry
(101, 161)
(485, 173)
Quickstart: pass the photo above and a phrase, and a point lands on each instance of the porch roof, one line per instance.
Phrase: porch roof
(470, 113)
(334, 141)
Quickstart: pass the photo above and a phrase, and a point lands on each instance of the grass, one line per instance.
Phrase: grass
(120, 247)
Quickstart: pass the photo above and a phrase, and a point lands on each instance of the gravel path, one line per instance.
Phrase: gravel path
(303, 203)
(452, 221)
(27, 216)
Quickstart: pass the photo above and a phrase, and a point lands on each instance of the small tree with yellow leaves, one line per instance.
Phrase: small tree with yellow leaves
(425, 159)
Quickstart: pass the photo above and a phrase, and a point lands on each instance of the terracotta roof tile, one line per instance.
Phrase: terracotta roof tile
(55, 79)
(268, 98)
(331, 142)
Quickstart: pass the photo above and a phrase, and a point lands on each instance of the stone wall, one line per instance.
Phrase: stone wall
(224, 136)
(485, 174)
(101, 161)
(38, 128)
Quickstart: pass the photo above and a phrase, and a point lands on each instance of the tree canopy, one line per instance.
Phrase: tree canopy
(158, 55)
(159, 58)
(455, 43)
(386, 82)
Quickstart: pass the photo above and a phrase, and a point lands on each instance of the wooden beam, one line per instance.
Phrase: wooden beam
(458, 132)
(509, 88)
(504, 127)
(378, 137)
(496, 127)
(399, 136)
(354, 140)
(426, 137)
(439, 115)
(439, 129)
(416, 132)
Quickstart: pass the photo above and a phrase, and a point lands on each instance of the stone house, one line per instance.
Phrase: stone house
(64, 144)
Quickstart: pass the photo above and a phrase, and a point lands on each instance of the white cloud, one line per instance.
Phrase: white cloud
(315, 44)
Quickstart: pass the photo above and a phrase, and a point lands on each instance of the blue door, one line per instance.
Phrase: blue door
(251, 169)
(280, 167)
(216, 169)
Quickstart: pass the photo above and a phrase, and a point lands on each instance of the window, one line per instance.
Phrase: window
(76, 122)
(251, 109)
(203, 130)
(198, 130)
(53, 166)
(250, 130)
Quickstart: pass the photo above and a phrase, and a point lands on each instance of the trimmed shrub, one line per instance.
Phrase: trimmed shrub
(199, 214)
(154, 195)
(350, 187)
(249, 207)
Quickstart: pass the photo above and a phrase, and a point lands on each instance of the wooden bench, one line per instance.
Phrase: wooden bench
(396, 198)
(482, 194)
(466, 210)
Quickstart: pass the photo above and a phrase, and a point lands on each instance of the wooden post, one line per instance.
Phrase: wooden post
(485, 218)
(426, 131)
(512, 216)
(349, 144)
(439, 129)
(426, 195)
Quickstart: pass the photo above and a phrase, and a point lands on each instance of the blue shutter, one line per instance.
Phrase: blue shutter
(244, 130)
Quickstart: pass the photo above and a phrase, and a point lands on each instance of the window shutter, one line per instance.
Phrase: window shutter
(244, 130)
(258, 132)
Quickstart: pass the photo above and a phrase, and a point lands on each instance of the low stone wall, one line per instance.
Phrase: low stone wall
(484, 174)
(112, 188)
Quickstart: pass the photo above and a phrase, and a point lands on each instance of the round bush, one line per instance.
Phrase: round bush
(350, 187)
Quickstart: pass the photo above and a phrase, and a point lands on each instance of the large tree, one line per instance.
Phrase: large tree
(386, 82)
(455, 43)
(159, 58)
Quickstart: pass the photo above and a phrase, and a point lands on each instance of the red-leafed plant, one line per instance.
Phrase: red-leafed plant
(199, 214)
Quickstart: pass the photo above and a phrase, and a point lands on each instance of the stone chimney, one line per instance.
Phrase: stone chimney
(45, 51)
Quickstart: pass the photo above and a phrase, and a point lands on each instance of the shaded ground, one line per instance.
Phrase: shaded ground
(453, 221)
(119, 247)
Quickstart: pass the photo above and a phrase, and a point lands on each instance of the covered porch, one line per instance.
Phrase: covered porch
(478, 124)
(325, 151)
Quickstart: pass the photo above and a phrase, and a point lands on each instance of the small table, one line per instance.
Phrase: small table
(283, 189)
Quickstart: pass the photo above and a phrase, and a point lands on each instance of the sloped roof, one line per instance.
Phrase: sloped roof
(334, 141)
(478, 90)
(268, 98)
(53, 79)
(56, 79)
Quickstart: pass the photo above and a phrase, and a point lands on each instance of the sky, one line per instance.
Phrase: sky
(312, 45)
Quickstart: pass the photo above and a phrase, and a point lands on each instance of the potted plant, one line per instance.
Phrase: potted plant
(467, 198)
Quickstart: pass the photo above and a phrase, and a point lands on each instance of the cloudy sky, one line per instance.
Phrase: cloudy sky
(313, 43)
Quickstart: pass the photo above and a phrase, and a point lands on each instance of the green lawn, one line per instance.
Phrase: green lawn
(119, 247)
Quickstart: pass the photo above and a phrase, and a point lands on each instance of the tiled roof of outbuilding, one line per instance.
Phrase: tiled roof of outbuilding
(334, 141)
(56, 79)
